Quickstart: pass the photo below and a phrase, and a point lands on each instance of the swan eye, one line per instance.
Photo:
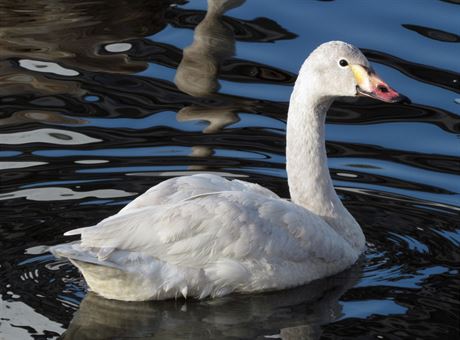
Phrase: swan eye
(343, 62)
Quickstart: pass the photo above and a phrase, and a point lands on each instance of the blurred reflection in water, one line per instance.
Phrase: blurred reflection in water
(63, 43)
(75, 32)
(213, 43)
(198, 71)
(238, 316)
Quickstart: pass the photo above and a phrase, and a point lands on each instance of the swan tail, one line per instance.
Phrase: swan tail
(133, 276)
(77, 231)
(73, 251)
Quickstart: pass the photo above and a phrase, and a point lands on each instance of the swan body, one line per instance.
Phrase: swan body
(204, 235)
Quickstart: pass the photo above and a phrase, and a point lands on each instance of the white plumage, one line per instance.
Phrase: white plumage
(244, 238)
(204, 235)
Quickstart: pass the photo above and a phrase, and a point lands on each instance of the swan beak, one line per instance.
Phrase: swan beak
(369, 84)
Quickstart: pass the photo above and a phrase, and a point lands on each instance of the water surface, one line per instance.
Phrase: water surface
(100, 100)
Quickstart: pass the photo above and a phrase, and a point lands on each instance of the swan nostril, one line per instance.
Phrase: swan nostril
(382, 89)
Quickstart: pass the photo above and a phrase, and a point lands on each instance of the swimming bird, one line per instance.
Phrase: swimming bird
(205, 236)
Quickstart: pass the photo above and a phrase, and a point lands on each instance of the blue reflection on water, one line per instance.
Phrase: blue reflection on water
(261, 122)
(159, 72)
(366, 308)
(164, 118)
(406, 173)
(452, 236)
(128, 169)
(450, 199)
(398, 136)
(395, 277)
(261, 91)
(181, 38)
(379, 19)
(91, 99)
(119, 152)
(9, 153)
(411, 242)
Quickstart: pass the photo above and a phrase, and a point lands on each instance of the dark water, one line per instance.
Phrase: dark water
(99, 101)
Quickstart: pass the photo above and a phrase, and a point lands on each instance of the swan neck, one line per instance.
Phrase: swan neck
(310, 183)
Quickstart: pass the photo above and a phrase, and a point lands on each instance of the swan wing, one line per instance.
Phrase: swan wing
(180, 188)
(238, 226)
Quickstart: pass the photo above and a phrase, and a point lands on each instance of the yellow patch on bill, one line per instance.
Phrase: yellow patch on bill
(360, 74)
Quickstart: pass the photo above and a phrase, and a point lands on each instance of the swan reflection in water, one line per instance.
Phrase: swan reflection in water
(198, 71)
(291, 314)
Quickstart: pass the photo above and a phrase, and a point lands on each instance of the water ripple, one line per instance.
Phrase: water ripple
(48, 136)
(102, 101)
(60, 193)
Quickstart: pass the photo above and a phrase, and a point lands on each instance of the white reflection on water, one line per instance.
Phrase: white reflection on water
(20, 317)
(50, 136)
(59, 194)
(118, 47)
(91, 161)
(19, 165)
(47, 67)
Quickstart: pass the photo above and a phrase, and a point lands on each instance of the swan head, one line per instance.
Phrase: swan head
(341, 70)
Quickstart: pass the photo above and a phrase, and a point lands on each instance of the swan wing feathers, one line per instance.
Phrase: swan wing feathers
(180, 188)
(241, 226)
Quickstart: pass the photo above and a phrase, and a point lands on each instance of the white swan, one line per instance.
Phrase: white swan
(203, 235)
